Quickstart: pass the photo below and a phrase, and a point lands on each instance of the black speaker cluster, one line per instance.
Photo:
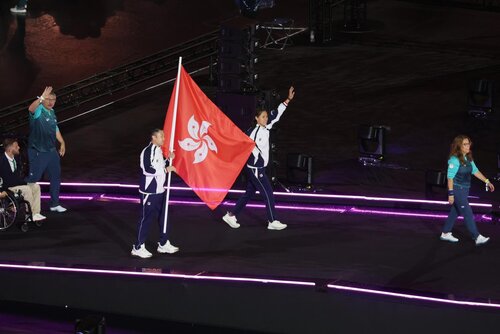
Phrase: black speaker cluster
(236, 60)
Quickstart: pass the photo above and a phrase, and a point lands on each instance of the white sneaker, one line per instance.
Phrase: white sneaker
(18, 10)
(38, 217)
(58, 209)
(141, 252)
(480, 240)
(276, 225)
(231, 220)
(448, 237)
(167, 248)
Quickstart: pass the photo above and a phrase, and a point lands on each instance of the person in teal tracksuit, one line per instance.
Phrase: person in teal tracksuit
(44, 137)
(460, 168)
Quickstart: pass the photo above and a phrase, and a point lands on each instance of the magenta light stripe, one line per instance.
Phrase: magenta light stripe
(89, 198)
(381, 199)
(84, 184)
(245, 280)
(285, 207)
(485, 217)
(396, 213)
(122, 185)
(293, 207)
(155, 274)
(330, 196)
(119, 198)
(414, 297)
(304, 208)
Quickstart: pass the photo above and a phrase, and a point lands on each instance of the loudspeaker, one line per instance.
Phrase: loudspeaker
(232, 33)
(299, 168)
(229, 66)
(240, 108)
(236, 59)
(230, 49)
(235, 84)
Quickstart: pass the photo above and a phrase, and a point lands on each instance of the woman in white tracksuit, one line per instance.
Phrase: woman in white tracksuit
(256, 167)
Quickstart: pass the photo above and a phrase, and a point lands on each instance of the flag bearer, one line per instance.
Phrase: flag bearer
(154, 171)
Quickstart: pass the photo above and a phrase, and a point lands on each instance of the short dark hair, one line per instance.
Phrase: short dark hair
(7, 142)
(155, 131)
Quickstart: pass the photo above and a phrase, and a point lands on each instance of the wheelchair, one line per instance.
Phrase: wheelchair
(14, 209)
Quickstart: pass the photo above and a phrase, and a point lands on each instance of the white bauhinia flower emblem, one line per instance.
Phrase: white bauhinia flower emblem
(199, 141)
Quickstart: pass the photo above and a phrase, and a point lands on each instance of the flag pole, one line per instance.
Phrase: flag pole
(171, 144)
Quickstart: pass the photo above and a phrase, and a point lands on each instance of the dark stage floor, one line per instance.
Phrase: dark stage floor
(387, 252)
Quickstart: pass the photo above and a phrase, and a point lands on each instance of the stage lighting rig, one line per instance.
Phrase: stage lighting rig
(249, 8)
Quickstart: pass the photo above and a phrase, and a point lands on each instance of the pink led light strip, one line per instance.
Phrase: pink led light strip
(330, 196)
(305, 208)
(250, 280)
(154, 274)
(413, 297)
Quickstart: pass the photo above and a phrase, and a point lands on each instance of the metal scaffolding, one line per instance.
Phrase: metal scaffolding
(201, 50)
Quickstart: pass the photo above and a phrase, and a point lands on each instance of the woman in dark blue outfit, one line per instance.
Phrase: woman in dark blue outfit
(460, 168)
(256, 167)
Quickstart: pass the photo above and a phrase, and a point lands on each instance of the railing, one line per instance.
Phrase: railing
(119, 79)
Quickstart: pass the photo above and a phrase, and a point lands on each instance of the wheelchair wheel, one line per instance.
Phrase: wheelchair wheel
(24, 227)
(8, 212)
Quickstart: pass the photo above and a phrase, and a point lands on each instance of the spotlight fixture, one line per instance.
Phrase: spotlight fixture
(371, 143)
(480, 98)
(299, 169)
(92, 324)
(434, 178)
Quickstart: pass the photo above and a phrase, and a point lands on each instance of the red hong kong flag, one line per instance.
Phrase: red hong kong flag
(210, 150)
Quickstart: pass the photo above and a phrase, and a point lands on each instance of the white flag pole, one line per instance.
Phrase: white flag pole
(171, 145)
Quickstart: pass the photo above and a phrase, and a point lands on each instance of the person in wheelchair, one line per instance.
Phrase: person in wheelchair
(12, 180)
